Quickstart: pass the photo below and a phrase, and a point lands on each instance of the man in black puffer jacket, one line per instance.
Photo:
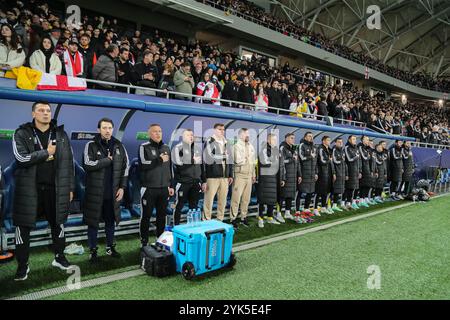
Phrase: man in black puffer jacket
(340, 169)
(352, 160)
(155, 170)
(367, 171)
(309, 173)
(187, 169)
(396, 170)
(408, 168)
(289, 176)
(44, 181)
(326, 175)
(106, 165)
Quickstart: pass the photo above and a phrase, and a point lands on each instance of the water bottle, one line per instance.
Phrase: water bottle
(197, 215)
(189, 217)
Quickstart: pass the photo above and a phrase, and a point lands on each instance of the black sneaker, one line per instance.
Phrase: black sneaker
(235, 224)
(93, 258)
(61, 262)
(22, 273)
(245, 223)
(111, 251)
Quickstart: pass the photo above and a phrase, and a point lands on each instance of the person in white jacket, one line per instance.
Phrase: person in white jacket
(12, 54)
(45, 59)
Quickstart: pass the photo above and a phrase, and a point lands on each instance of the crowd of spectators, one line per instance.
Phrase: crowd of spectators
(249, 10)
(99, 49)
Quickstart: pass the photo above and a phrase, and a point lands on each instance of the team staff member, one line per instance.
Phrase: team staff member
(155, 176)
(340, 169)
(244, 177)
(44, 183)
(308, 173)
(408, 167)
(269, 164)
(290, 174)
(218, 172)
(106, 164)
(396, 157)
(352, 159)
(187, 160)
(367, 170)
(326, 175)
(380, 172)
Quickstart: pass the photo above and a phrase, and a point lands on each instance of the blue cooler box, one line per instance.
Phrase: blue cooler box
(203, 247)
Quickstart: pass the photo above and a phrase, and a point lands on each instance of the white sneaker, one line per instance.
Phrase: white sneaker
(280, 218)
(272, 221)
(316, 213)
(288, 215)
(260, 222)
(323, 210)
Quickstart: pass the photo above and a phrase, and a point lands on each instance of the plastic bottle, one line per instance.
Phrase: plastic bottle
(189, 217)
(196, 217)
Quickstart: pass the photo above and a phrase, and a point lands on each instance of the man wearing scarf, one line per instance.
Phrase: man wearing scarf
(73, 60)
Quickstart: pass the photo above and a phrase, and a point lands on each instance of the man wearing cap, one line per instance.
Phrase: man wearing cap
(55, 34)
(72, 60)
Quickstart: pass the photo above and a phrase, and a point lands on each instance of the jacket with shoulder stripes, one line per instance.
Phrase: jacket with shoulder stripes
(352, 159)
(308, 162)
(27, 158)
(217, 160)
(95, 162)
(325, 170)
(184, 167)
(340, 169)
(396, 163)
(153, 172)
(367, 166)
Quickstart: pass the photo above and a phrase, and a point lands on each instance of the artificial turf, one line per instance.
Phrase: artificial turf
(43, 276)
(409, 245)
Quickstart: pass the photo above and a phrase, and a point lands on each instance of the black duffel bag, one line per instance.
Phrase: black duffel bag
(157, 261)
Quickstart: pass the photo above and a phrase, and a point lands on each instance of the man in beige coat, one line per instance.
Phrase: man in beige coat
(244, 177)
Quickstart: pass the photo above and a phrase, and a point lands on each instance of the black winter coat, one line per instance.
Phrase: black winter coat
(185, 169)
(340, 170)
(352, 159)
(367, 166)
(268, 167)
(95, 163)
(408, 164)
(289, 170)
(380, 169)
(325, 170)
(153, 172)
(396, 162)
(217, 164)
(308, 165)
(27, 157)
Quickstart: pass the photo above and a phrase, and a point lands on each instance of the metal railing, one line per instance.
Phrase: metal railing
(430, 145)
(244, 105)
(305, 38)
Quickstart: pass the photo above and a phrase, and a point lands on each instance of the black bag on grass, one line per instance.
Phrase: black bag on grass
(157, 261)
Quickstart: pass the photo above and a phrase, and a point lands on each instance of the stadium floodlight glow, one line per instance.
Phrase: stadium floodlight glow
(190, 7)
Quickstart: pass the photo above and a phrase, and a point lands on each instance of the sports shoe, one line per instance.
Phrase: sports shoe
(400, 197)
(378, 200)
(323, 210)
(372, 201)
(336, 208)
(245, 223)
(235, 224)
(61, 262)
(363, 203)
(308, 213)
(22, 273)
(272, 220)
(355, 206)
(260, 222)
(93, 258)
(288, 215)
(112, 252)
(316, 213)
(279, 218)
(299, 219)
(73, 248)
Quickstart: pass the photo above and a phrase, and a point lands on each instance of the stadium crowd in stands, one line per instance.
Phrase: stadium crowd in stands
(249, 10)
(103, 49)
